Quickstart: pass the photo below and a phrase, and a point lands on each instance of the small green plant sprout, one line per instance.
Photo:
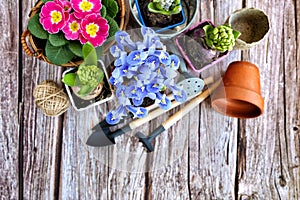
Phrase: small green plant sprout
(88, 75)
(165, 7)
(221, 38)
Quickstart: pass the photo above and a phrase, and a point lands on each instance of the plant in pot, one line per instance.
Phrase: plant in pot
(88, 82)
(161, 14)
(57, 29)
(205, 44)
(143, 72)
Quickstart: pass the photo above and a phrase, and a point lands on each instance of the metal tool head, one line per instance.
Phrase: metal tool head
(100, 137)
(146, 141)
(192, 86)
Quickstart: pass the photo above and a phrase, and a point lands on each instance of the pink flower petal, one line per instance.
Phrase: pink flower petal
(86, 7)
(94, 29)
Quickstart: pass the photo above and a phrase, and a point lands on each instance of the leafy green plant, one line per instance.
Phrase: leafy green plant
(221, 38)
(88, 75)
(165, 7)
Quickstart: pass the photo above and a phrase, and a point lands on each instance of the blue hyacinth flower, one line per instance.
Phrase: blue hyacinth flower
(136, 57)
(114, 116)
(175, 62)
(138, 112)
(123, 38)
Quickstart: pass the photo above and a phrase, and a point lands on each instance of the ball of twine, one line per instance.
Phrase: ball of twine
(50, 98)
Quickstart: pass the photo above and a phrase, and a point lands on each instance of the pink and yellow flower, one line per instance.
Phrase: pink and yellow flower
(94, 29)
(66, 5)
(72, 28)
(85, 7)
(53, 17)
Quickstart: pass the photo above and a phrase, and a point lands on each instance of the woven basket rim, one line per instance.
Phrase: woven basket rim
(31, 49)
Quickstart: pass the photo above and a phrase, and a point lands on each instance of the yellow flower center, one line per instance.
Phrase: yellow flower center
(56, 17)
(86, 6)
(136, 57)
(74, 26)
(92, 29)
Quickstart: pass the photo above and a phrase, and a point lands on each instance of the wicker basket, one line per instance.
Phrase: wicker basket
(32, 47)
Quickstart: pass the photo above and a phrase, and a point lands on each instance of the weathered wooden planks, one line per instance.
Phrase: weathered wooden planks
(40, 134)
(216, 158)
(9, 87)
(268, 166)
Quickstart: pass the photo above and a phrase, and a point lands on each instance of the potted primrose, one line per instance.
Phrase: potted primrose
(160, 14)
(204, 44)
(87, 85)
(57, 29)
(143, 72)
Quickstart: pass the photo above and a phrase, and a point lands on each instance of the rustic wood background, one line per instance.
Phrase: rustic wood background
(204, 156)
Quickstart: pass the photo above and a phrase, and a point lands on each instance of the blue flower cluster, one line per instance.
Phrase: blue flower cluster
(142, 69)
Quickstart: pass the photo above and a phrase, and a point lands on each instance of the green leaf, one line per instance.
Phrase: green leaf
(85, 90)
(103, 11)
(112, 7)
(36, 29)
(76, 47)
(113, 26)
(69, 79)
(44, 1)
(236, 34)
(58, 55)
(89, 54)
(58, 39)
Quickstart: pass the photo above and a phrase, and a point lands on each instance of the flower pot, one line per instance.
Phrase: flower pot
(240, 95)
(253, 25)
(102, 94)
(197, 54)
(34, 46)
(187, 17)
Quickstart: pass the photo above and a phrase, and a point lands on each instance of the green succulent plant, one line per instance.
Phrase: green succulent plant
(221, 38)
(88, 75)
(165, 7)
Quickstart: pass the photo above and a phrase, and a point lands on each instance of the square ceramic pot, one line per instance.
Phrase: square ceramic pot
(80, 104)
(191, 44)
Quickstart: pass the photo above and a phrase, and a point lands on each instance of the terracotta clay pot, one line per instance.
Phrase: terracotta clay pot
(240, 95)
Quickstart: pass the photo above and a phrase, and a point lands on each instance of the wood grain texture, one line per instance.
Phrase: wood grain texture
(204, 156)
(213, 141)
(268, 164)
(9, 119)
(41, 134)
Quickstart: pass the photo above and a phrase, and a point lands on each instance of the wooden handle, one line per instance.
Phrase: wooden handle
(188, 107)
(207, 81)
(157, 112)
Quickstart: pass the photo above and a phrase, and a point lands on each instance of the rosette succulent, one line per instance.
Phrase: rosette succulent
(165, 7)
(88, 75)
(142, 70)
(221, 38)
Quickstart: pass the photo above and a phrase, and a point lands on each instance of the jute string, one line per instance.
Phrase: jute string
(50, 98)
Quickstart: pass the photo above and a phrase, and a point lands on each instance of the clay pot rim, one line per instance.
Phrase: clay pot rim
(238, 95)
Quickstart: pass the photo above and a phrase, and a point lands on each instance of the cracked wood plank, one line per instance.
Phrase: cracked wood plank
(213, 146)
(40, 134)
(268, 166)
(9, 119)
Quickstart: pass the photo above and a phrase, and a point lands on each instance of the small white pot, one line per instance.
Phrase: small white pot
(83, 103)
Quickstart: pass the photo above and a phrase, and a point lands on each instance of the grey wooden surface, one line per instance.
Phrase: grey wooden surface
(204, 156)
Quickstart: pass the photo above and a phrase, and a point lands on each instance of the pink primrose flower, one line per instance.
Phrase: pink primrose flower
(53, 17)
(72, 28)
(94, 29)
(86, 7)
(66, 5)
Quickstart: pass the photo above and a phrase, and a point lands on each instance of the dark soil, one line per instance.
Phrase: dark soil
(157, 20)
